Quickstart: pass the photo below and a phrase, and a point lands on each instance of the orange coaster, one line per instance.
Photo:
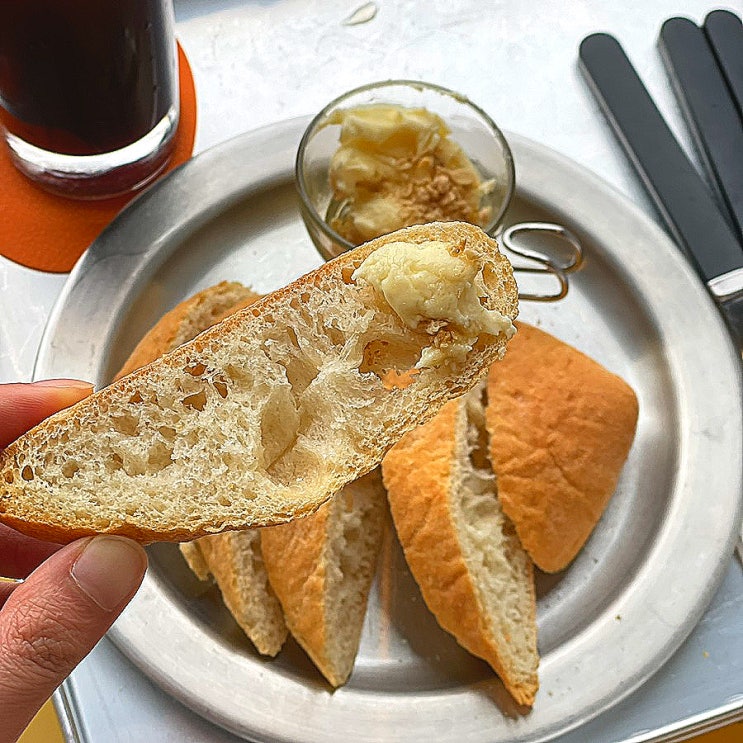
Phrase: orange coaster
(47, 232)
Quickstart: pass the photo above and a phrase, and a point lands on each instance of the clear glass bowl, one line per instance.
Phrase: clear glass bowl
(471, 128)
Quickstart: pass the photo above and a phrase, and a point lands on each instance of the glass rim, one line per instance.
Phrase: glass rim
(313, 126)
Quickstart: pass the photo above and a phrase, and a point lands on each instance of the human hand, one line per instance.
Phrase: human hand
(70, 596)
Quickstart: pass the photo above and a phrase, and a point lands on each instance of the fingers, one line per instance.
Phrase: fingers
(6, 588)
(22, 406)
(53, 619)
(19, 554)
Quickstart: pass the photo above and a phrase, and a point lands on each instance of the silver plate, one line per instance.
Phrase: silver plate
(606, 624)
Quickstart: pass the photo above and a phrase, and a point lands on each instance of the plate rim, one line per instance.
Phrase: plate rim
(538, 159)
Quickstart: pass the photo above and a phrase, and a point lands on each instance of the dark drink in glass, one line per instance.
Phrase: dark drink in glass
(88, 91)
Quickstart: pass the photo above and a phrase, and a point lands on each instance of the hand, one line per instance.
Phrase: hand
(70, 596)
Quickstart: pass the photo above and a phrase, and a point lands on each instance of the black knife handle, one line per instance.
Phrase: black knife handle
(709, 110)
(678, 191)
(725, 34)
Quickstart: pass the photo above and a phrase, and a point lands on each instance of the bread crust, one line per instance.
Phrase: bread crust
(233, 559)
(294, 554)
(36, 509)
(419, 474)
(561, 427)
(299, 557)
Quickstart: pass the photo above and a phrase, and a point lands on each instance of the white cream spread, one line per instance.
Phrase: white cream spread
(397, 167)
(432, 284)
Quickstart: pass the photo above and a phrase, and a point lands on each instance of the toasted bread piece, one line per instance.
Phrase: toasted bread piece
(321, 568)
(561, 427)
(461, 548)
(263, 417)
(233, 558)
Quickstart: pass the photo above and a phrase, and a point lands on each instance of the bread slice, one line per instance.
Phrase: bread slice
(321, 567)
(236, 562)
(263, 417)
(233, 558)
(178, 326)
(461, 548)
(561, 427)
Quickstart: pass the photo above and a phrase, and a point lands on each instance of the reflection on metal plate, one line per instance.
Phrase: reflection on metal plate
(628, 601)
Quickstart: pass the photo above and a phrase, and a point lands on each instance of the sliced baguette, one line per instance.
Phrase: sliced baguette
(461, 548)
(233, 558)
(236, 562)
(259, 419)
(561, 427)
(321, 568)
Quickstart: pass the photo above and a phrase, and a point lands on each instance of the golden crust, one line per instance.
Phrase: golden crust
(297, 557)
(293, 554)
(417, 474)
(561, 427)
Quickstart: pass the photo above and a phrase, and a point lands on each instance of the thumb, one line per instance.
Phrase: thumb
(53, 619)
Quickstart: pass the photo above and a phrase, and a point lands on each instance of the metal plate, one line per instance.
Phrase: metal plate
(606, 624)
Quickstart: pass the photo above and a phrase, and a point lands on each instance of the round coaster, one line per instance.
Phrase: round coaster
(47, 232)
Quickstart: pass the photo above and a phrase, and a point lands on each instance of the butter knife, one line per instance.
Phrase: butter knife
(683, 199)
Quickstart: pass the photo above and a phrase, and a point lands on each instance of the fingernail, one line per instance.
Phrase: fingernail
(77, 384)
(109, 570)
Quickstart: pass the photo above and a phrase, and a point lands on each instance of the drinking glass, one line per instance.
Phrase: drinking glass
(89, 100)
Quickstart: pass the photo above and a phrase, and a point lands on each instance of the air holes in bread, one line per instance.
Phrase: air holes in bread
(126, 424)
(394, 363)
(160, 456)
(490, 278)
(197, 401)
(196, 370)
(296, 303)
(300, 372)
(167, 433)
(337, 337)
(347, 274)
(69, 469)
(279, 423)
(27, 473)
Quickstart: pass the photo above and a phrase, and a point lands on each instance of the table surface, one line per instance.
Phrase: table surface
(260, 61)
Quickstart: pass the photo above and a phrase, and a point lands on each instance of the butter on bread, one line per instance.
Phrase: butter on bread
(259, 419)
(435, 283)
(233, 558)
(561, 427)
